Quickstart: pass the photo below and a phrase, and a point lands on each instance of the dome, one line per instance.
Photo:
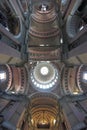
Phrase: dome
(44, 76)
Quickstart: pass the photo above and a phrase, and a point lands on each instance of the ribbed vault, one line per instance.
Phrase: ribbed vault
(44, 110)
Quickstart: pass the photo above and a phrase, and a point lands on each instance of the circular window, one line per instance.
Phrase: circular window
(44, 76)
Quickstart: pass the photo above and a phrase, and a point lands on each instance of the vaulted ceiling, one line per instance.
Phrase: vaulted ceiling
(43, 56)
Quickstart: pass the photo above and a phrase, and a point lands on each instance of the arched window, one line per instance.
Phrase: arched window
(2, 76)
(84, 77)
